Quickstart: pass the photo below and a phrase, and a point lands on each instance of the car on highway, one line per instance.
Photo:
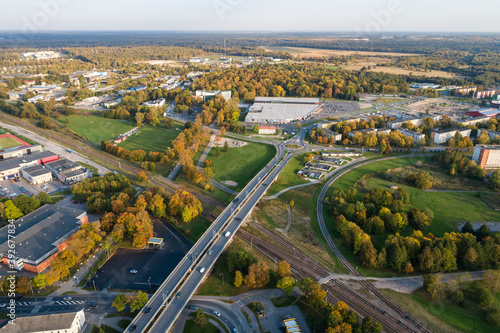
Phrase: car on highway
(210, 252)
(235, 330)
(238, 219)
(217, 313)
(132, 328)
(178, 295)
(202, 270)
(133, 271)
(236, 200)
(67, 298)
(227, 234)
(147, 310)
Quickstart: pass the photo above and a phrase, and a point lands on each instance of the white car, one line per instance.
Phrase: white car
(227, 234)
(133, 271)
(67, 298)
(202, 270)
(217, 313)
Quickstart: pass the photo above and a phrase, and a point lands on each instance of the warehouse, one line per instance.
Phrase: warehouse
(41, 235)
(11, 168)
(36, 174)
(281, 110)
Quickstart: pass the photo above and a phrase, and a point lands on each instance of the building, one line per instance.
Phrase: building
(377, 131)
(112, 103)
(417, 136)
(36, 174)
(424, 86)
(485, 94)
(120, 139)
(156, 242)
(41, 55)
(328, 159)
(281, 110)
(207, 95)
(319, 166)
(395, 124)
(19, 151)
(492, 113)
(311, 174)
(68, 171)
(465, 91)
(487, 156)
(89, 101)
(156, 103)
(41, 235)
(492, 135)
(349, 154)
(267, 130)
(495, 103)
(440, 136)
(11, 168)
(291, 325)
(138, 88)
(474, 121)
(70, 322)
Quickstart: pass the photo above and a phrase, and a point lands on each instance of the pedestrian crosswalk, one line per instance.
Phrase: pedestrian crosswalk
(69, 302)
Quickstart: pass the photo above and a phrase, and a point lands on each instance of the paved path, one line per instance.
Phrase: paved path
(222, 187)
(205, 153)
(275, 196)
(113, 322)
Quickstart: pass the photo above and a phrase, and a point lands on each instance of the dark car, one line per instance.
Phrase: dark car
(93, 305)
(192, 307)
(178, 295)
(236, 200)
(132, 328)
(147, 310)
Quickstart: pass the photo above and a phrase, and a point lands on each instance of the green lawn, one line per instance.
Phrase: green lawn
(241, 164)
(191, 327)
(288, 177)
(7, 142)
(151, 138)
(96, 129)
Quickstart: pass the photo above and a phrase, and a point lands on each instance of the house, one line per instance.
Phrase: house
(41, 235)
(70, 322)
(120, 139)
(487, 156)
(267, 130)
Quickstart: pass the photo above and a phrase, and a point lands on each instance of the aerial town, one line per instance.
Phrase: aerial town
(212, 176)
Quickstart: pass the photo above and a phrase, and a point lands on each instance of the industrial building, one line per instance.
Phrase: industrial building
(68, 171)
(417, 136)
(70, 322)
(267, 130)
(281, 110)
(36, 174)
(328, 159)
(41, 235)
(440, 136)
(19, 151)
(207, 95)
(319, 166)
(11, 168)
(491, 112)
(487, 156)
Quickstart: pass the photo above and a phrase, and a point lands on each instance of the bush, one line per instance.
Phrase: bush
(493, 317)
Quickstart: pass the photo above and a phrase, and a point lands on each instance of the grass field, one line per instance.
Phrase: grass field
(191, 327)
(288, 177)
(150, 138)
(469, 318)
(6, 143)
(241, 164)
(96, 129)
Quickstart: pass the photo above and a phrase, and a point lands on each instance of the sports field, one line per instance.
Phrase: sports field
(96, 129)
(8, 142)
(151, 138)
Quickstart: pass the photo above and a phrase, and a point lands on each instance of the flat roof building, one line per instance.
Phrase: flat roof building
(68, 171)
(417, 136)
(267, 129)
(70, 322)
(281, 110)
(442, 135)
(41, 235)
(487, 156)
(207, 95)
(11, 168)
(291, 325)
(377, 131)
(36, 174)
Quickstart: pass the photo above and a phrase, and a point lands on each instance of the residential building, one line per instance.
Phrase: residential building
(440, 136)
(492, 135)
(377, 131)
(41, 235)
(485, 93)
(487, 156)
(207, 95)
(68, 171)
(11, 168)
(465, 91)
(281, 110)
(267, 129)
(156, 103)
(395, 124)
(495, 103)
(492, 113)
(70, 322)
(474, 121)
(417, 136)
(36, 174)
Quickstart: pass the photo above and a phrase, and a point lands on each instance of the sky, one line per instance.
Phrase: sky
(252, 15)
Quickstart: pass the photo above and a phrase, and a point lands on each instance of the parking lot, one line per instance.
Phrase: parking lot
(14, 187)
(152, 265)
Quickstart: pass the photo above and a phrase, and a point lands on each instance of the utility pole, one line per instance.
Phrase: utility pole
(222, 274)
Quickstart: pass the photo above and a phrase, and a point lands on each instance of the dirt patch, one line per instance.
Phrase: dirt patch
(229, 183)
(319, 53)
(440, 105)
(233, 143)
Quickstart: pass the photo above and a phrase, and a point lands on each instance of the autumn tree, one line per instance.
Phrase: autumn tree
(283, 269)
(258, 275)
(142, 177)
(238, 279)
(120, 302)
(287, 284)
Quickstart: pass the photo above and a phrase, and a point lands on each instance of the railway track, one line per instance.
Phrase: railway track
(317, 271)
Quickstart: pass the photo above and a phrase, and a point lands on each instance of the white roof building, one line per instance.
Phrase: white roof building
(281, 110)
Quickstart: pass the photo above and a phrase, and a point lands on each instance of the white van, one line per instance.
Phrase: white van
(227, 234)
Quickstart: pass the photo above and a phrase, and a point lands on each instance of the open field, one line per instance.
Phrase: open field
(8, 142)
(398, 70)
(97, 129)
(241, 164)
(437, 105)
(288, 177)
(451, 318)
(150, 138)
(319, 53)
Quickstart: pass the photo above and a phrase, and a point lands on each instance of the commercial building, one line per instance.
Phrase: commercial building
(207, 95)
(70, 322)
(41, 235)
(68, 171)
(377, 131)
(348, 154)
(11, 168)
(417, 136)
(319, 166)
(291, 325)
(19, 151)
(487, 156)
(36, 174)
(41, 55)
(440, 136)
(267, 130)
(492, 112)
(138, 88)
(328, 159)
(281, 110)
(424, 86)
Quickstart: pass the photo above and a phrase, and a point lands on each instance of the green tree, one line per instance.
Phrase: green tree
(287, 284)
(369, 325)
(26, 204)
(11, 211)
(138, 302)
(200, 319)
(44, 198)
(96, 329)
(423, 180)
(217, 152)
(468, 228)
(226, 147)
(238, 279)
(283, 269)
(494, 181)
(256, 128)
(493, 317)
(40, 281)
(120, 302)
